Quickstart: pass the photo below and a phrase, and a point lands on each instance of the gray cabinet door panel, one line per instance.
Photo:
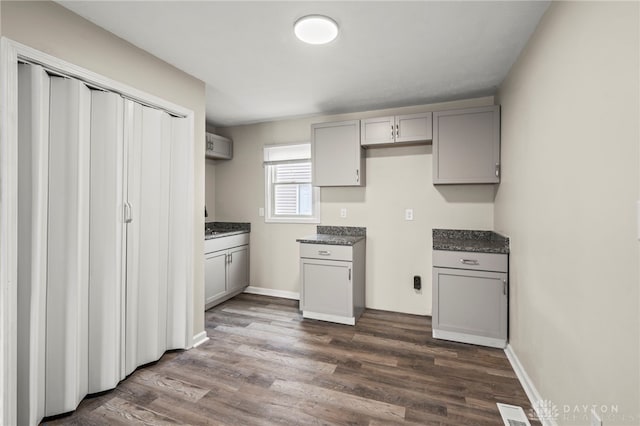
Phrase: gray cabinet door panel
(327, 287)
(238, 268)
(414, 127)
(215, 265)
(379, 130)
(470, 302)
(337, 157)
(466, 146)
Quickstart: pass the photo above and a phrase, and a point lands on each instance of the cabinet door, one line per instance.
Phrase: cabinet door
(326, 287)
(375, 131)
(337, 156)
(470, 302)
(466, 146)
(219, 147)
(215, 275)
(414, 128)
(238, 268)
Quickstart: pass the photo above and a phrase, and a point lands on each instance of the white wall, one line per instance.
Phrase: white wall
(570, 155)
(48, 27)
(397, 178)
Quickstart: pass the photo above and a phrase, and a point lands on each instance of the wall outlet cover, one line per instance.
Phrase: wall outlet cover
(343, 212)
(408, 214)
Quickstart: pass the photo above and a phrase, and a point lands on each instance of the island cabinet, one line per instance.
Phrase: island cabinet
(399, 129)
(336, 155)
(466, 146)
(226, 265)
(333, 282)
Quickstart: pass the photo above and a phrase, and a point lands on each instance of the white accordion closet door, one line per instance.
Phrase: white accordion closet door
(106, 280)
(147, 138)
(179, 315)
(68, 246)
(33, 151)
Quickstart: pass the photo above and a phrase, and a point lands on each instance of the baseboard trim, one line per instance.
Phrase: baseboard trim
(272, 292)
(529, 388)
(200, 338)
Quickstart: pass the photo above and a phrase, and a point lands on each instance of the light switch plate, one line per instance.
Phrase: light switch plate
(261, 212)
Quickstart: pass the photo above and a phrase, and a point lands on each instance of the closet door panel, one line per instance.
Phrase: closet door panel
(67, 246)
(180, 240)
(147, 235)
(33, 148)
(106, 245)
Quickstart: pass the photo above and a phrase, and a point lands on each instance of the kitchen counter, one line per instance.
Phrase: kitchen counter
(225, 229)
(470, 240)
(336, 235)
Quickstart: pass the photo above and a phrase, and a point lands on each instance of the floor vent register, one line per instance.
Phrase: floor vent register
(513, 415)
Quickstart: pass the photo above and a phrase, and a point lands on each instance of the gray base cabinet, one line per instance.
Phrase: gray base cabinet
(226, 268)
(470, 297)
(332, 282)
(466, 146)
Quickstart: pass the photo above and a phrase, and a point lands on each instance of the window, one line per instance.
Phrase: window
(289, 196)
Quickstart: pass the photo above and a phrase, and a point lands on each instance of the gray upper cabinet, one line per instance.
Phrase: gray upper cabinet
(336, 154)
(408, 128)
(466, 146)
(219, 147)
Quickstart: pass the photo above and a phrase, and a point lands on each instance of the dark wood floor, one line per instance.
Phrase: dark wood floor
(264, 365)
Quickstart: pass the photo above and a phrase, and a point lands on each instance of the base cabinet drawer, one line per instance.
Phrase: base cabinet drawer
(470, 306)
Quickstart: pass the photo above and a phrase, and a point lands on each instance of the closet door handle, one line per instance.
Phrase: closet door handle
(128, 218)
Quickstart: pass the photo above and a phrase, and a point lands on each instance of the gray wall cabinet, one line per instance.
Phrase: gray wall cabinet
(470, 297)
(218, 147)
(336, 155)
(466, 146)
(226, 268)
(384, 131)
(332, 282)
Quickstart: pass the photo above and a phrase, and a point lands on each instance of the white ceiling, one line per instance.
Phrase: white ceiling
(387, 54)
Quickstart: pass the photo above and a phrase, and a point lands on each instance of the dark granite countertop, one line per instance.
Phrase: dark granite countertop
(225, 229)
(336, 235)
(470, 240)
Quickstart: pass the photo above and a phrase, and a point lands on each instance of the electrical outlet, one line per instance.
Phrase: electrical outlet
(343, 212)
(595, 419)
(417, 282)
(261, 212)
(408, 214)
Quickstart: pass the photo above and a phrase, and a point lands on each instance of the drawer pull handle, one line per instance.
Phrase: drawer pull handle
(469, 262)
(324, 253)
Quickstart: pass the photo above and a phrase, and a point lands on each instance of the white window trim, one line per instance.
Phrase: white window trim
(269, 196)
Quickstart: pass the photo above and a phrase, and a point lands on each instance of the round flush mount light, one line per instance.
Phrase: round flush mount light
(316, 29)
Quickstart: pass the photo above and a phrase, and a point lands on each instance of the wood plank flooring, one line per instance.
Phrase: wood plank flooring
(264, 365)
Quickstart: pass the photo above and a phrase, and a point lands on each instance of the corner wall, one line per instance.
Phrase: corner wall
(570, 156)
(50, 28)
(397, 178)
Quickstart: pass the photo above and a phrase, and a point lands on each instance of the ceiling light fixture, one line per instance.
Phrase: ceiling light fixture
(316, 29)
